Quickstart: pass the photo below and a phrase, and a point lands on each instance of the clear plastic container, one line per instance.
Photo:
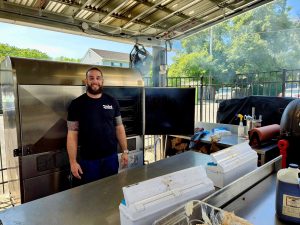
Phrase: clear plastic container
(198, 212)
(189, 214)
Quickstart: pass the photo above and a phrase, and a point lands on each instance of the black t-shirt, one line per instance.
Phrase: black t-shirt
(97, 131)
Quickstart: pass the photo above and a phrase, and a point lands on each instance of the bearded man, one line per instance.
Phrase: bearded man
(95, 127)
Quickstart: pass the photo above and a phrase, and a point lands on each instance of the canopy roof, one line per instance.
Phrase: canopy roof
(124, 20)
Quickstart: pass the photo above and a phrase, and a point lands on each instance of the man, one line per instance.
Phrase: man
(95, 124)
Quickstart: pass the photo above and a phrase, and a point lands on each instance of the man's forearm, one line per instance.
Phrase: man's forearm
(121, 136)
(72, 139)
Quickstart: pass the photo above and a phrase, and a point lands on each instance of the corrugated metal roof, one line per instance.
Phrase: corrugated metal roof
(125, 19)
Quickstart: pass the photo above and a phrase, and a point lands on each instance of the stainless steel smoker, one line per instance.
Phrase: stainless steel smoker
(35, 98)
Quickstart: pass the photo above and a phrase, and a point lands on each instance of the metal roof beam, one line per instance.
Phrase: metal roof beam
(224, 4)
(242, 9)
(15, 12)
(40, 3)
(62, 2)
(172, 14)
(142, 14)
(192, 19)
(95, 10)
(115, 10)
(154, 6)
(210, 10)
(22, 15)
(85, 3)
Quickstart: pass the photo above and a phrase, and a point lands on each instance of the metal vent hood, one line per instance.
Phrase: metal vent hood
(42, 72)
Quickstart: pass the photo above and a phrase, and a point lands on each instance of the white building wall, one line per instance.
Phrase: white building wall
(92, 58)
(115, 63)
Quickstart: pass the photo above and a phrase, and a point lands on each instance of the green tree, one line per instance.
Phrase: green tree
(7, 50)
(66, 59)
(191, 64)
(263, 39)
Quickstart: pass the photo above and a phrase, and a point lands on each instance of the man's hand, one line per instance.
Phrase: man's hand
(124, 160)
(76, 170)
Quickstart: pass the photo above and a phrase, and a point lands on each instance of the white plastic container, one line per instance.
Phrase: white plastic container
(231, 163)
(135, 159)
(288, 194)
(151, 199)
(241, 130)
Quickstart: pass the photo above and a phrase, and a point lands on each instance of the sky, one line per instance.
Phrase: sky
(57, 44)
(295, 4)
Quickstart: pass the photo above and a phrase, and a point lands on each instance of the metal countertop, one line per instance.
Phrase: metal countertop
(225, 141)
(258, 204)
(96, 202)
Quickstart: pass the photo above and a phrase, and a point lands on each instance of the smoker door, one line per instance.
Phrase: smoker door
(44, 174)
(43, 114)
(44, 162)
(130, 101)
(169, 111)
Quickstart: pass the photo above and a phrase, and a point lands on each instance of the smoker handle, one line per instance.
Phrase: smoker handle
(17, 152)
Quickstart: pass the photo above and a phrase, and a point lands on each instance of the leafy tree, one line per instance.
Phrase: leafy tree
(7, 50)
(264, 39)
(191, 64)
(66, 59)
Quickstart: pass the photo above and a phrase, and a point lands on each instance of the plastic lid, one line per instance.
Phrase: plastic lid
(293, 165)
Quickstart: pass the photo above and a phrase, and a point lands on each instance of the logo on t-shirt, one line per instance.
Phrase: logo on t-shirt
(107, 107)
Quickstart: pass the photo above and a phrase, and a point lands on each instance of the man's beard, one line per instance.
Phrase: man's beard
(94, 92)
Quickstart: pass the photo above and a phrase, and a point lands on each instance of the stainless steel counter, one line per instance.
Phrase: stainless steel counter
(252, 196)
(258, 204)
(225, 141)
(97, 202)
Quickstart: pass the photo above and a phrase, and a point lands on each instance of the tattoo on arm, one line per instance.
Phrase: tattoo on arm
(118, 120)
(73, 125)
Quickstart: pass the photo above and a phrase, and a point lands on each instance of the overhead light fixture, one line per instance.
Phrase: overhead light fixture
(84, 26)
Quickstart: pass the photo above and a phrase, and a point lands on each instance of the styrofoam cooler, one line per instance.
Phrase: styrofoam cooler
(135, 159)
(231, 163)
(151, 199)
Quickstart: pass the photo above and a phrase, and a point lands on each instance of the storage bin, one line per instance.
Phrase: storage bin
(231, 163)
(151, 199)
